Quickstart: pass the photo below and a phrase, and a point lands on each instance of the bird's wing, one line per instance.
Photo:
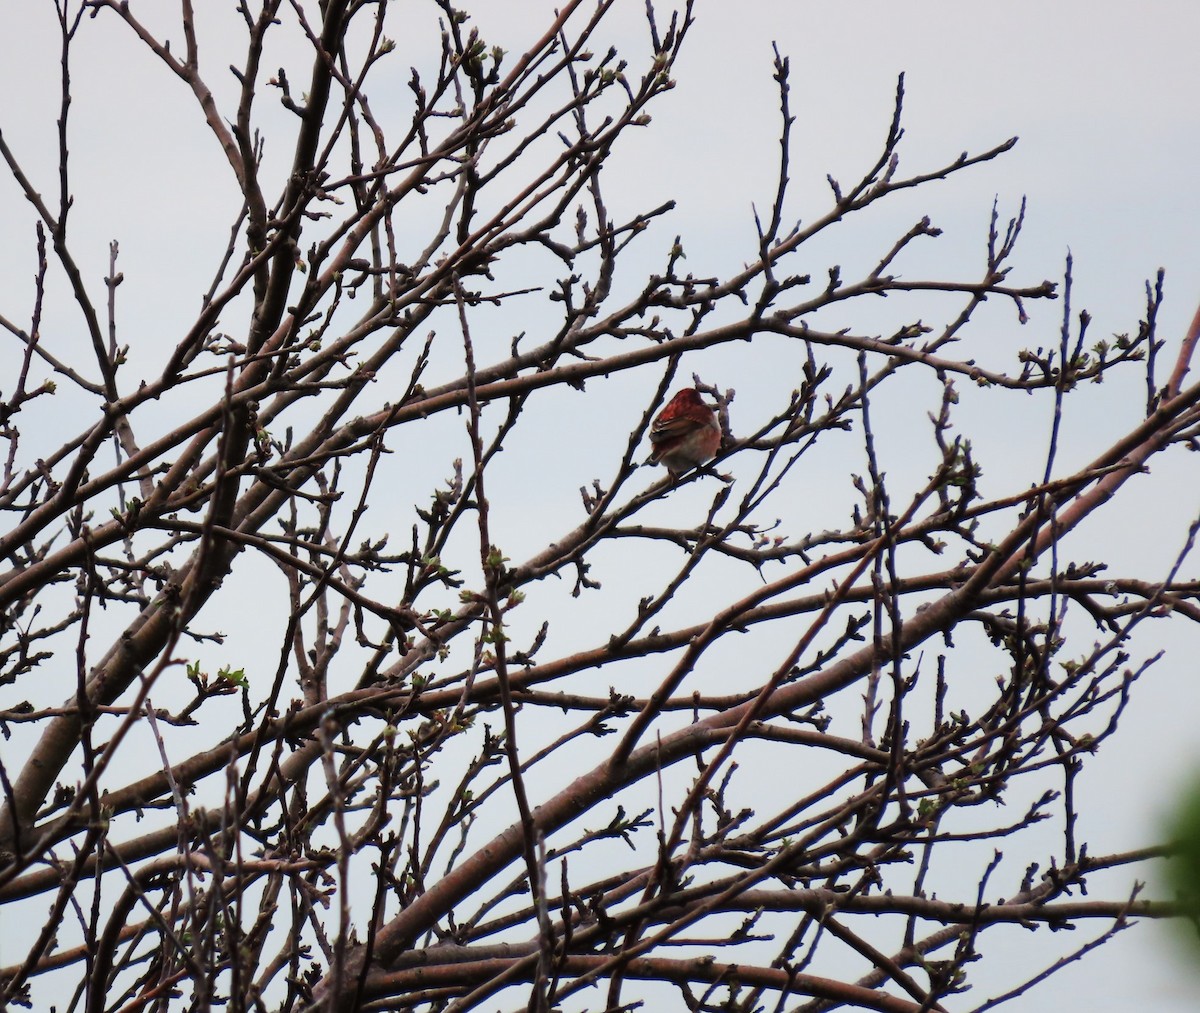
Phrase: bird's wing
(671, 428)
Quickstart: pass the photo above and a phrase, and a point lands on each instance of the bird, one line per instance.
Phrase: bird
(685, 434)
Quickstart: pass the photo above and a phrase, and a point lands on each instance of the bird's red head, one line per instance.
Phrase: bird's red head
(683, 400)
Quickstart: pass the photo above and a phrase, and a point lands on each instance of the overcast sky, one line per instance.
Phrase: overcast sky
(1104, 99)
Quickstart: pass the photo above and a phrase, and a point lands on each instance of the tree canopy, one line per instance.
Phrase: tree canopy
(351, 656)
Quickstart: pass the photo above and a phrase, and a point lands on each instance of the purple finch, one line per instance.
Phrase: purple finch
(686, 434)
